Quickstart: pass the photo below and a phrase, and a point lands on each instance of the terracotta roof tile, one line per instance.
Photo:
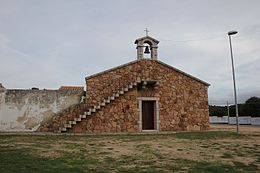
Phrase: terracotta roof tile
(62, 88)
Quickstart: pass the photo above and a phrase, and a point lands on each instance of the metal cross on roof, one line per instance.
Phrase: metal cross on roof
(146, 31)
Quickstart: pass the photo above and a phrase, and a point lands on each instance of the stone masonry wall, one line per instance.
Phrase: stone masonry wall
(119, 116)
(105, 84)
(183, 100)
(25, 110)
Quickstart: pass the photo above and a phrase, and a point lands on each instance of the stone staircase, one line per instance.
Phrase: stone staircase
(100, 105)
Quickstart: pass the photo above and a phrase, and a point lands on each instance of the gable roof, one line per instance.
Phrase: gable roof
(159, 62)
(146, 37)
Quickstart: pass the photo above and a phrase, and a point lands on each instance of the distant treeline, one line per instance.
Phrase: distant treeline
(250, 108)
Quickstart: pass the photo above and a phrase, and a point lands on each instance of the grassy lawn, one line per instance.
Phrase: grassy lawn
(193, 152)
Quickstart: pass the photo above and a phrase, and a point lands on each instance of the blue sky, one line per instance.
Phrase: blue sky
(50, 43)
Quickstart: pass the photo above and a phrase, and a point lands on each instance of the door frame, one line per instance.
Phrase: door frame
(156, 113)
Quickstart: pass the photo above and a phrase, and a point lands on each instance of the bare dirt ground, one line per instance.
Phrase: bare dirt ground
(243, 129)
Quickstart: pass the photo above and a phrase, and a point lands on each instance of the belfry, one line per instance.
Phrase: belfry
(152, 46)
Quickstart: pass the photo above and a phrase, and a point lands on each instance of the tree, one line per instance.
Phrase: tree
(252, 107)
(217, 111)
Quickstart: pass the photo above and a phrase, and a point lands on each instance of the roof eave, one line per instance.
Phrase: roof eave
(160, 62)
(146, 37)
(182, 72)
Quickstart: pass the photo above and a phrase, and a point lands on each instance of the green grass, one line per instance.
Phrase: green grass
(19, 160)
(97, 153)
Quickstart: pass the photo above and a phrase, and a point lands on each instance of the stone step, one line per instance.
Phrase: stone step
(112, 98)
(125, 89)
(63, 129)
(108, 101)
(93, 110)
(130, 86)
(117, 95)
(98, 107)
(83, 116)
(89, 113)
(85, 113)
(72, 122)
(68, 126)
(121, 92)
(77, 119)
(103, 103)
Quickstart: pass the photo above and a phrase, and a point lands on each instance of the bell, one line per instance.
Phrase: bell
(146, 51)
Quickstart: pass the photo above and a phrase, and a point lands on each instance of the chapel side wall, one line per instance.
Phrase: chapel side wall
(185, 107)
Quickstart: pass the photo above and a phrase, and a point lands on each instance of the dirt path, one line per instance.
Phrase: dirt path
(243, 129)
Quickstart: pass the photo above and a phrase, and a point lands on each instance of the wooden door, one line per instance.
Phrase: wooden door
(148, 115)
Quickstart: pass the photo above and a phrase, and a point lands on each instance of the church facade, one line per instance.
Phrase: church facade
(142, 95)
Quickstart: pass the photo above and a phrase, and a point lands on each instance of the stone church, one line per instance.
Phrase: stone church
(143, 95)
